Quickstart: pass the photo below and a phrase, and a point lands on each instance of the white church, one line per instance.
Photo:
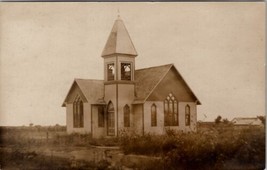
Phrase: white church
(149, 100)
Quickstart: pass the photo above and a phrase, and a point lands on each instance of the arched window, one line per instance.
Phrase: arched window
(171, 117)
(78, 113)
(126, 71)
(187, 115)
(111, 71)
(111, 120)
(153, 115)
(74, 114)
(126, 113)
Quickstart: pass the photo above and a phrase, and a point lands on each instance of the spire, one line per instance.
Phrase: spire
(118, 13)
(119, 41)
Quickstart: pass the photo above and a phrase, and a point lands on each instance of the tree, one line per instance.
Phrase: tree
(225, 121)
(262, 118)
(218, 119)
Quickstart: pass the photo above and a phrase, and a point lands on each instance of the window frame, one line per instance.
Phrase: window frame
(78, 112)
(81, 114)
(154, 115)
(110, 77)
(171, 111)
(187, 115)
(74, 112)
(123, 71)
(110, 119)
(126, 116)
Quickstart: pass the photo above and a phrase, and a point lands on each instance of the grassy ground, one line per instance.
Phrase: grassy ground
(50, 148)
(217, 147)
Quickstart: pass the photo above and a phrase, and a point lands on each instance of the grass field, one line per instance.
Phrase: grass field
(216, 147)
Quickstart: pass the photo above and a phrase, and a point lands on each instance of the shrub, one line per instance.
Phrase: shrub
(141, 144)
(208, 149)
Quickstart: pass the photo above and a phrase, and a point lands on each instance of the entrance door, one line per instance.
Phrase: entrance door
(110, 120)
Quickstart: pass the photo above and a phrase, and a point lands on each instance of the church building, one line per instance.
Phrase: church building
(149, 100)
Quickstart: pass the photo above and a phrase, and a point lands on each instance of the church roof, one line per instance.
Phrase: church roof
(119, 41)
(147, 80)
(93, 90)
(246, 121)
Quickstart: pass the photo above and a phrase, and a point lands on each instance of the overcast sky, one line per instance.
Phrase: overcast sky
(217, 47)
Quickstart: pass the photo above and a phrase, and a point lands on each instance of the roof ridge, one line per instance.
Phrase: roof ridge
(88, 79)
(245, 118)
(155, 67)
(119, 41)
(161, 78)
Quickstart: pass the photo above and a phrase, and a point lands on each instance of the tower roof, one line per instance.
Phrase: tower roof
(119, 41)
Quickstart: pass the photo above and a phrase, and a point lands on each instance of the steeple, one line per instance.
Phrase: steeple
(119, 41)
(119, 69)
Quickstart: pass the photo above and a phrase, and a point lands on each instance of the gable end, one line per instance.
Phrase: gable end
(73, 92)
(172, 82)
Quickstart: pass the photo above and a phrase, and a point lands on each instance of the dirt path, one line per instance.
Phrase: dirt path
(113, 155)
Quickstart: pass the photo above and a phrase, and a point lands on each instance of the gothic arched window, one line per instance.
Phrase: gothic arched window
(187, 115)
(171, 117)
(78, 113)
(111, 119)
(153, 115)
(126, 113)
(74, 114)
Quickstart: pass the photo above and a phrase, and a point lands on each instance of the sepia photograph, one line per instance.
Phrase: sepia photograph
(132, 86)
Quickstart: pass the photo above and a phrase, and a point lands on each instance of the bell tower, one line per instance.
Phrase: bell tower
(119, 65)
(119, 54)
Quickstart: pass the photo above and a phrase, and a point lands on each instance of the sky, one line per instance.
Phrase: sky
(219, 49)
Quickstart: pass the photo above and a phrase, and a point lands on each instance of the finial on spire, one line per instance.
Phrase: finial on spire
(118, 13)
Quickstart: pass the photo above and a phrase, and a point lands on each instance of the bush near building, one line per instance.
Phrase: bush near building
(219, 148)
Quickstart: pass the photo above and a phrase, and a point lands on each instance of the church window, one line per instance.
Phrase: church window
(171, 111)
(74, 114)
(101, 116)
(111, 120)
(78, 115)
(153, 115)
(187, 115)
(126, 112)
(126, 71)
(111, 71)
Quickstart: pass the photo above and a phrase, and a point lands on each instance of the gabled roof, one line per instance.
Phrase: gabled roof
(246, 121)
(93, 90)
(119, 41)
(147, 80)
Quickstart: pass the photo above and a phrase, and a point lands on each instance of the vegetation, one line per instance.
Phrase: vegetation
(51, 136)
(31, 160)
(20, 148)
(262, 118)
(221, 146)
(218, 119)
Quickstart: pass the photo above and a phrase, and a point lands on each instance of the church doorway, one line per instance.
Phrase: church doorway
(110, 120)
